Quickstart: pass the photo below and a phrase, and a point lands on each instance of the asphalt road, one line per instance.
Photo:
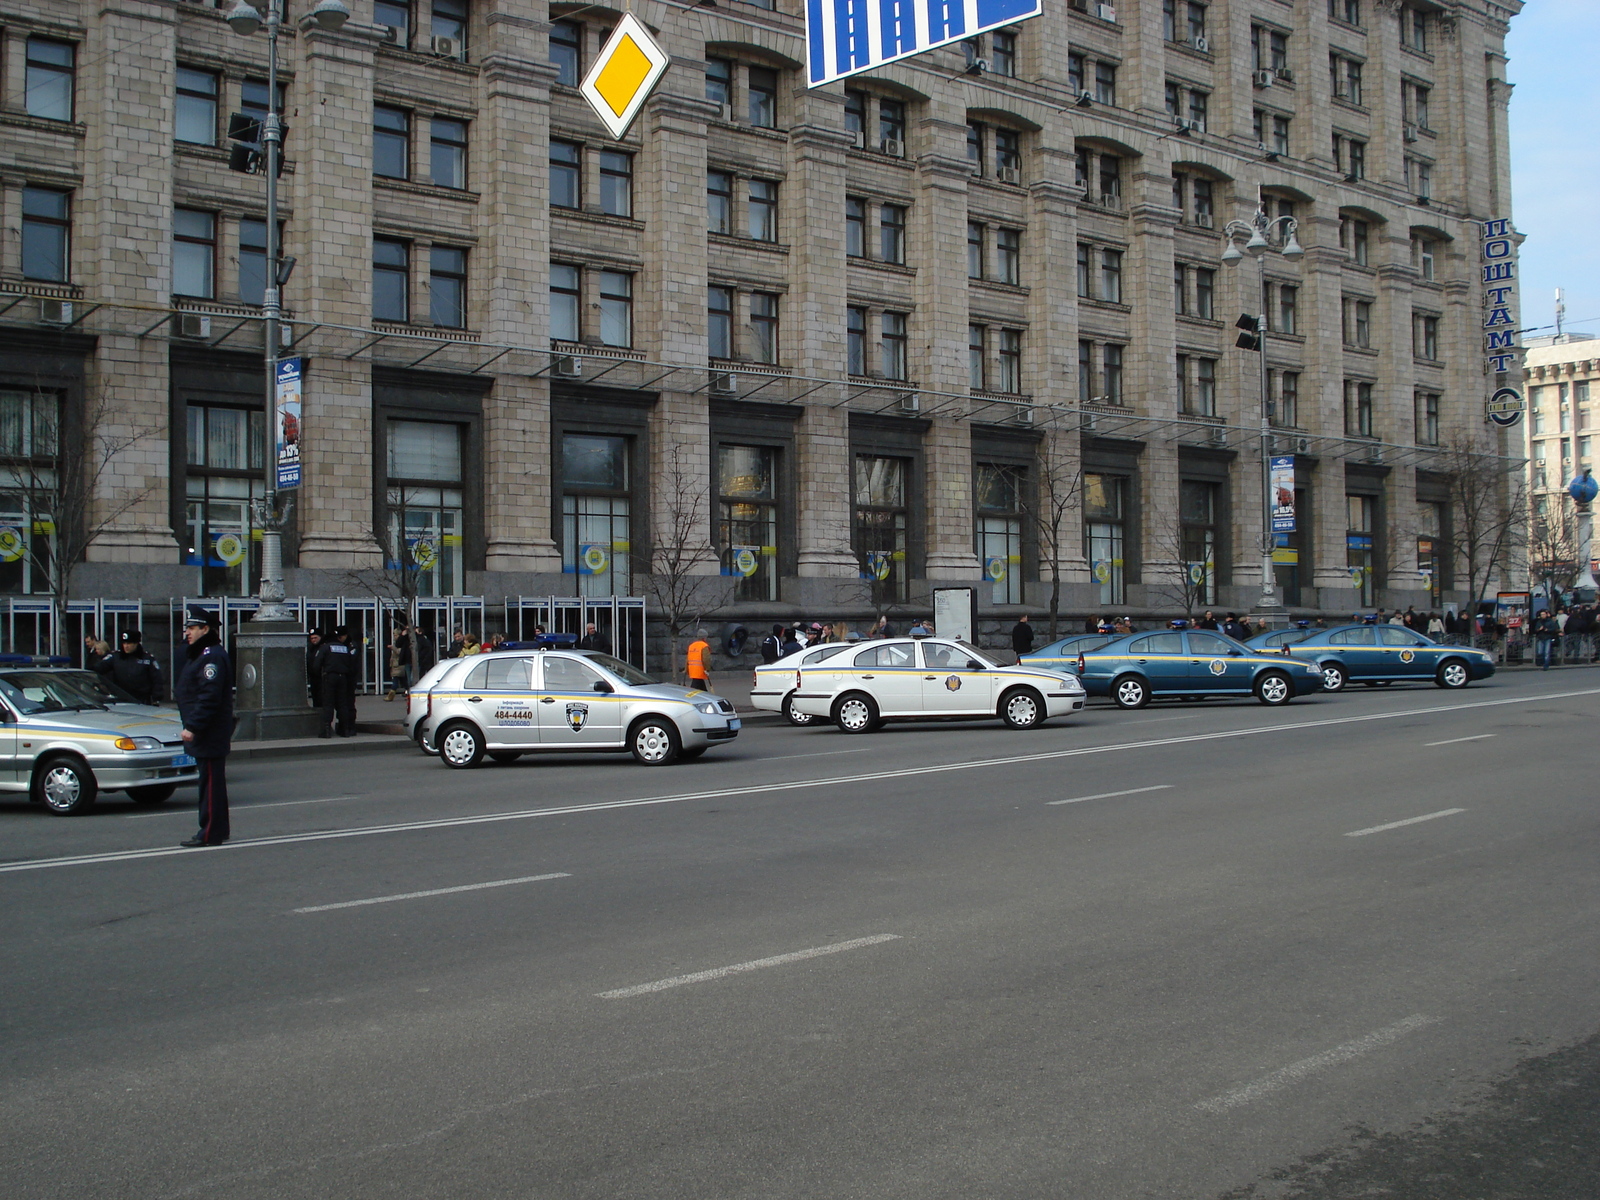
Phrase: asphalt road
(1192, 952)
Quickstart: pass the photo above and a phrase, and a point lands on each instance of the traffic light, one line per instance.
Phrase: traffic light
(1250, 339)
(249, 153)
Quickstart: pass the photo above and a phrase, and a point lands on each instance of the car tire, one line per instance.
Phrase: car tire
(695, 752)
(1334, 677)
(855, 712)
(1274, 688)
(460, 746)
(156, 793)
(1129, 691)
(654, 741)
(504, 757)
(1453, 674)
(1022, 708)
(796, 718)
(65, 785)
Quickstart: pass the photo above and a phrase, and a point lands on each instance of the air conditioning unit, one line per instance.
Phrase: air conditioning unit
(724, 383)
(1217, 435)
(193, 325)
(1204, 220)
(1008, 175)
(1022, 416)
(1285, 74)
(55, 312)
(389, 33)
(1078, 5)
(1264, 79)
(1085, 98)
(908, 402)
(1202, 45)
(567, 366)
(1108, 200)
(979, 66)
(893, 147)
(860, 136)
(445, 47)
(1409, 132)
(1107, 12)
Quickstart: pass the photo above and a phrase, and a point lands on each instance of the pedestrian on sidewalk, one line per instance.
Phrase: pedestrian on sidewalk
(204, 691)
(698, 661)
(790, 644)
(1022, 636)
(95, 649)
(1544, 634)
(133, 669)
(338, 664)
(402, 656)
(314, 641)
(593, 639)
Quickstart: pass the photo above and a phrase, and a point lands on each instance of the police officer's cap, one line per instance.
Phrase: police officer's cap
(199, 615)
(132, 635)
(341, 631)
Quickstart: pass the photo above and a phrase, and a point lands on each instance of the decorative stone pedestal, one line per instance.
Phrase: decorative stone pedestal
(269, 663)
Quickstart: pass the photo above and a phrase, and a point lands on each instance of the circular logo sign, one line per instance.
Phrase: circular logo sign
(1355, 574)
(230, 548)
(1407, 655)
(745, 561)
(1218, 667)
(1197, 573)
(594, 559)
(12, 544)
(879, 563)
(995, 568)
(953, 683)
(1102, 573)
(1505, 407)
(424, 553)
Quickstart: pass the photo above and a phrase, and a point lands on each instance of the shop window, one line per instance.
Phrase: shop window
(425, 504)
(1197, 513)
(748, 512)
(1104, 530)
(596, 513)
(223, 474)
(999, 490)
(1360, 535)
(881, 520)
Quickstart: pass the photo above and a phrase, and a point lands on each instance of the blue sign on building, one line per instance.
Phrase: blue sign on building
(846, 37)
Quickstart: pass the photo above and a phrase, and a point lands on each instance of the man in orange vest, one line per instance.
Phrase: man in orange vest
(699, 661)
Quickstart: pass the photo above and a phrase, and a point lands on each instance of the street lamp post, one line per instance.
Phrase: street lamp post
(1583, 489)
(1255, 232)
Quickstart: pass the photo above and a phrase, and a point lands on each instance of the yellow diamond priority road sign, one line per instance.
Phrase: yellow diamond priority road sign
(624, 75)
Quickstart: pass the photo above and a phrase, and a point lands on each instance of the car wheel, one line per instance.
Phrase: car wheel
(156, 793)
(65, 786)
(1274, 688)
(460, 746)
(504, 756)
(1130, 692)
(1333, 677)
(1453, 674)
(694, 753)
(1022, 708)
(797, 718)
(654, 741)
(855, 713)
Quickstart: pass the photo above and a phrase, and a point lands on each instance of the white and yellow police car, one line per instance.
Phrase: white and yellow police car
(928, 679)
(772, 684)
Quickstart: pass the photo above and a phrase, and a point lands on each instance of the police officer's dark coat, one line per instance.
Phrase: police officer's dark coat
(335, 659)
(138, 673)
(204, 691)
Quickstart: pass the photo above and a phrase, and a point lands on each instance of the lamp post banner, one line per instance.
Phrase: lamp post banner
(287, 422)
(1283, 494)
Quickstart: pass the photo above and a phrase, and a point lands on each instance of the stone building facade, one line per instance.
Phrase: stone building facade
(1563, 382)
(948, 323)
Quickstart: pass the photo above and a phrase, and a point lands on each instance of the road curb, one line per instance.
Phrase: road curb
(362, 744)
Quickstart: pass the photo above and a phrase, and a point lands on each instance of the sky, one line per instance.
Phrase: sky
(1554, 52)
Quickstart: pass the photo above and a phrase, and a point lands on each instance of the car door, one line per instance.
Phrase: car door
(953, 681)
(1217, 664)
(1163, 659)
(12, 772)
(891, 675)
(577, 706)
(500, 697)
(1357, 651)
(1407, 655)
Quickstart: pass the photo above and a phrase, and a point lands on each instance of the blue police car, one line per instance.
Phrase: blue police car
(1189, 663)
(1378, 654)
(1062, 654)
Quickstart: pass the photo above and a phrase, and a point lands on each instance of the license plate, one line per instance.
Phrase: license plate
(183, 760)
(734, 724)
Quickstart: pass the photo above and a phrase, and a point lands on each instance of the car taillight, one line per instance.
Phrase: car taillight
(754, 679)
(408, 704)
(797, 679)
(1081, 664)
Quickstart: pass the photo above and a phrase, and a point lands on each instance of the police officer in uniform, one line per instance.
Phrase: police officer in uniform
(204, 691)
(133, 669)
(337, 665)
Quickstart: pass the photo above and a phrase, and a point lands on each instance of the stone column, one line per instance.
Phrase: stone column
(1322, 406)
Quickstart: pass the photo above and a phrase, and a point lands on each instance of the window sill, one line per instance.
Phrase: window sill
(1351, 106)
(995, 285)
(764, 131)
(1433, 364)
(1424, 55)
(439, 332)
(585, 350)
(734, 242)
(1337, 23)
(1104, 305)
(1203, 418)
(1094, 206)
(22, 120)
(887, 267)
(879, 156)
(41, 288)
(1298, 339)
(740, 366)
(433, 191)
(1364, 351)
(405, 53)
(1188, 48)
(596, 218)
(1201, 322)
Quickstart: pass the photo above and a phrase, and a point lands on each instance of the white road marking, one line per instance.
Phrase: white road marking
(1297, 1071)
(777, 960)
(1160, 787)
(982, 764)
(812, 754)
(1477, 737)
(189, 812)
(1434, 816)
(465, 887)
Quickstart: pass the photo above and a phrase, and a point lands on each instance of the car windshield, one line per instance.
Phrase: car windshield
(979, 655)
(33, 692)
(99, 686)
(626, 672)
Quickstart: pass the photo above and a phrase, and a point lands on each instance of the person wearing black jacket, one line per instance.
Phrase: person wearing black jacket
(314, 641)
(593, 639)
(204, 691)
(133, 669)
(1021, 636)
(772, 645)
(1545, 631)
(338, 665)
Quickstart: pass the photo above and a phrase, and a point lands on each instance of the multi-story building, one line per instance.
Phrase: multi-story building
(960, 320)
(1561, 373)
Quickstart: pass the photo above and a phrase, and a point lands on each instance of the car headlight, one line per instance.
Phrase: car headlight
(137, 743)
(707, 707)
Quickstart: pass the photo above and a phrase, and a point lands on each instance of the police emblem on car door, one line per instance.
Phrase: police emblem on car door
(571, 711)
(577, 715)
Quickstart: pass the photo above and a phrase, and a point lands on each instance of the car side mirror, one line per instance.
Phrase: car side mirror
(600, 685)
(1235, 653)
(974, 665)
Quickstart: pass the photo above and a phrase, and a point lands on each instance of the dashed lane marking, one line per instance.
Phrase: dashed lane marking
(777, 960)
(1297, 1071)
(449, 891)
(1433, 816)
(1160, 787)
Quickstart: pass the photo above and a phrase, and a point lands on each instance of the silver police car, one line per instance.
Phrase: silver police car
(67, 735)
(510, 703)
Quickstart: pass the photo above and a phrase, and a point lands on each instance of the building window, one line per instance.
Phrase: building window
(1075, 75)
(616, 308)
(977, 364)
(892, 127)
(1414, 29)
(1358, 408)
(564, 302)
(856, 335)
(1419, 178)
(975, 149)
(195, 120)
(747, 498)
(1105, 83)
(1345, 74)
(447, 287)
(1205, 290)
(763, 210)
(764, 327)
(46, 234)
(719, 322)
(425, 504)
(1353, 239)
(1008, 255)
(1428, 418)
(1205, 387)
(1269, 48)
(892, 233)
(596, 518)
(1104, 505)
(194, 253)
(1085, 271)
(855, 117)
(855, 227)
(1358, 323)
(1425, 336)
(719, 84)
(719, 202)
(253, 98)
(974, 250)
(1181, 378)
(391, 142)
(1111, 276)
(763, 95)
(566, 174)
(1275, 135)
(999, 489)
(252, 261)
(1196, 14)
(892, 352)
(397, 16)
(1350, 156)
(1111, 372)
(1414, 105)
(881, 521)
(1199, 103)
(1110, 181)
(391, 280)
(1422, 256)
(1197, 515)
(450, 20)
(51, 66)
(448, 153)
(1086, 393)
(1003, 53)
(1180, 289)
(222, 475)
(1288, 308)
(616, 183)
(1348, 11)
(1008, 155)
(1360, 530)
(1288, 413)
(1010, 352)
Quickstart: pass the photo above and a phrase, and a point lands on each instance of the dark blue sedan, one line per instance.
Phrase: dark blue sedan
(1377, 654)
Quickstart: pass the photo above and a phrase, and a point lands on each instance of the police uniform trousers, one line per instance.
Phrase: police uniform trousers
(339, 702)
(213, 800)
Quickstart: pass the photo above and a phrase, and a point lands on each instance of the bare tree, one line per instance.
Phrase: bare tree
(1185, 582)
(1553, 547)
(1489, 509)
(397, 582)
(678, 583)
(1060, 480)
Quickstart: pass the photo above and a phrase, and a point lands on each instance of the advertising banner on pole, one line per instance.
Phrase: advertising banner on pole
(1283, 494)
(846, 37)
(286, 422)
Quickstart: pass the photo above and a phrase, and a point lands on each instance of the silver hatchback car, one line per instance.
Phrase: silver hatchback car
(68, 735)
(510, 703)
